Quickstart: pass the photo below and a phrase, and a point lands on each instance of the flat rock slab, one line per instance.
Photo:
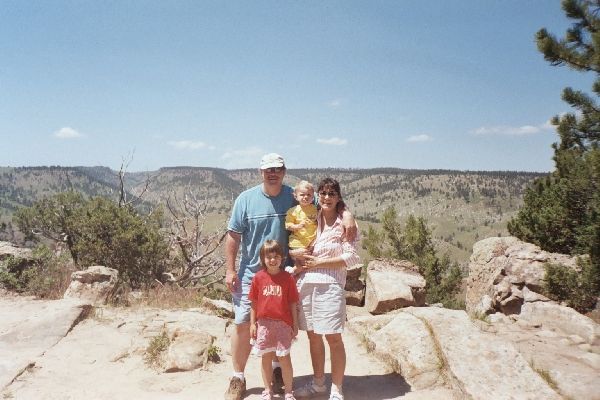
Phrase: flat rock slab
(29, 328)
(103, 358)
(482, 365)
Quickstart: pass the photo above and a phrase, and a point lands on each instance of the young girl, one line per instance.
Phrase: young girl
(273, 318)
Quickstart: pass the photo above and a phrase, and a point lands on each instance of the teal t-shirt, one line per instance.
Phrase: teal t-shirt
(259, 217)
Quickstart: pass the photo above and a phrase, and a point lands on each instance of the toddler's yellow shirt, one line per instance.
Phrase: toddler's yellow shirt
(302, 237)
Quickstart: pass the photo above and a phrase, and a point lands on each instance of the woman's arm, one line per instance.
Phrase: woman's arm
(294, 311)
(253, 321)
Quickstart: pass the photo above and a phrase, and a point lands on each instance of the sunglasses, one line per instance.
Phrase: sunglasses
(325, 194)
(274, 169)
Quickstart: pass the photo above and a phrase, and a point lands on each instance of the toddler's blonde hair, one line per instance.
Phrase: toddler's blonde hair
(304, 185)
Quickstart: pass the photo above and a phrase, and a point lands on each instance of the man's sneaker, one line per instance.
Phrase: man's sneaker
(310, 389)
(289, 396)
(277, 381)
(236, 390)
(266, 395)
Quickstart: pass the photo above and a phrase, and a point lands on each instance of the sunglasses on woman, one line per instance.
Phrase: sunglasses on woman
(325, 194)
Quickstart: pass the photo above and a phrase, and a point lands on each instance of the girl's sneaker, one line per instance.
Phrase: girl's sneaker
(266, 395)
(289, 396)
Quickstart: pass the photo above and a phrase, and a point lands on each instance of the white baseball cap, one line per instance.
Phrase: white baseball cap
(271, 160)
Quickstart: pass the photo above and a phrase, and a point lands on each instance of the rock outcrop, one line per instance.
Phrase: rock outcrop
(92, 285)
(355, 287)
(29, 327)
(393, 284)
(505, 273)
(433, 346)
(8, 249)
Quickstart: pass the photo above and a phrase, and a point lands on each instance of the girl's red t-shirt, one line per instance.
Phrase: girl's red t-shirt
(272, 295)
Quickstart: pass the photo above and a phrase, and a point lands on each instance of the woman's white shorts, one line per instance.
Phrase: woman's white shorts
(322, 308)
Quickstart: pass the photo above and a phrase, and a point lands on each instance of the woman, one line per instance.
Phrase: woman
(321, 286)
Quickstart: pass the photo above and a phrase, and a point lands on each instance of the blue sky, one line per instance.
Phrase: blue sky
(411, 84)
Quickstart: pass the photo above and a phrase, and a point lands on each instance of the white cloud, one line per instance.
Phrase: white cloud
(335, 141)
(243, 158)
(512, 130)
(67, 133)
(190, 145)
(419, 138)
(335, 103)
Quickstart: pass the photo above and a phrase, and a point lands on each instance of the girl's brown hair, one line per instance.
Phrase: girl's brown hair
(270, 246)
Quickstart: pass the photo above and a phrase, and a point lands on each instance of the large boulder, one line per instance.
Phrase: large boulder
(92, 285)
(402, 342)
(188, 350)
(433, 346)
(505, 273)
(8, 249)
(393, 284)
(355, 287)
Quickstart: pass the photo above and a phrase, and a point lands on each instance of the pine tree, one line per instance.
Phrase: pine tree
(561, 212)
(413, 243)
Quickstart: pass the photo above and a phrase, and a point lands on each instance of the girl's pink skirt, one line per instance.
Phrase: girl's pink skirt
(272, 336)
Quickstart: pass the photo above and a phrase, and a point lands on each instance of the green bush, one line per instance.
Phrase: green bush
(578, 289)
(98, 231)
(45, 275)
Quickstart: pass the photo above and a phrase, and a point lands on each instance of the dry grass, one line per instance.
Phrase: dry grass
(173, 297)
(545, 375)
(156, 349)
(437, 347)
(167, 297)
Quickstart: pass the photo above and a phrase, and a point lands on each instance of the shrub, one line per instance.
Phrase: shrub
(578, 289)
(99, 231)
(46, 275)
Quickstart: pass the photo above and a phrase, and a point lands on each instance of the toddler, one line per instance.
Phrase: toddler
(301, 220)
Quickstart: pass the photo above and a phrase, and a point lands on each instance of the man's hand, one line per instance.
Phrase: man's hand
(253, 330)
(232, 244)
(231, 280)
(350, 227)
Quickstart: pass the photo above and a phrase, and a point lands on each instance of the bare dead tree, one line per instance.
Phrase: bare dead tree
(197, 247)
(136, 197)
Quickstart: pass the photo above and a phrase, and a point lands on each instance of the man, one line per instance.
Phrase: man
(258, 214)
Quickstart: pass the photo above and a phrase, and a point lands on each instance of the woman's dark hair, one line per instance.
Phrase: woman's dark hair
(332, 184)
(270, 246)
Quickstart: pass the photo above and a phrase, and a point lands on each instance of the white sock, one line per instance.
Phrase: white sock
(335, 388)
(275, 364)
(239, 375)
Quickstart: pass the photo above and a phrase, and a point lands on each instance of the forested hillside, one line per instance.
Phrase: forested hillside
(461, 206)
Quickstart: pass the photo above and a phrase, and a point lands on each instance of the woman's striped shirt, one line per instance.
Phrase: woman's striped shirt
(328, 244)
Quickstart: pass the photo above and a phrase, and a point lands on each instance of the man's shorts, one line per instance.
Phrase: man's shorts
(241, 304)
(322, 308)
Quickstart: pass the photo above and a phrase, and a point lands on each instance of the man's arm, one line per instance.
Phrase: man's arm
(232, 245)
(350, 226)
